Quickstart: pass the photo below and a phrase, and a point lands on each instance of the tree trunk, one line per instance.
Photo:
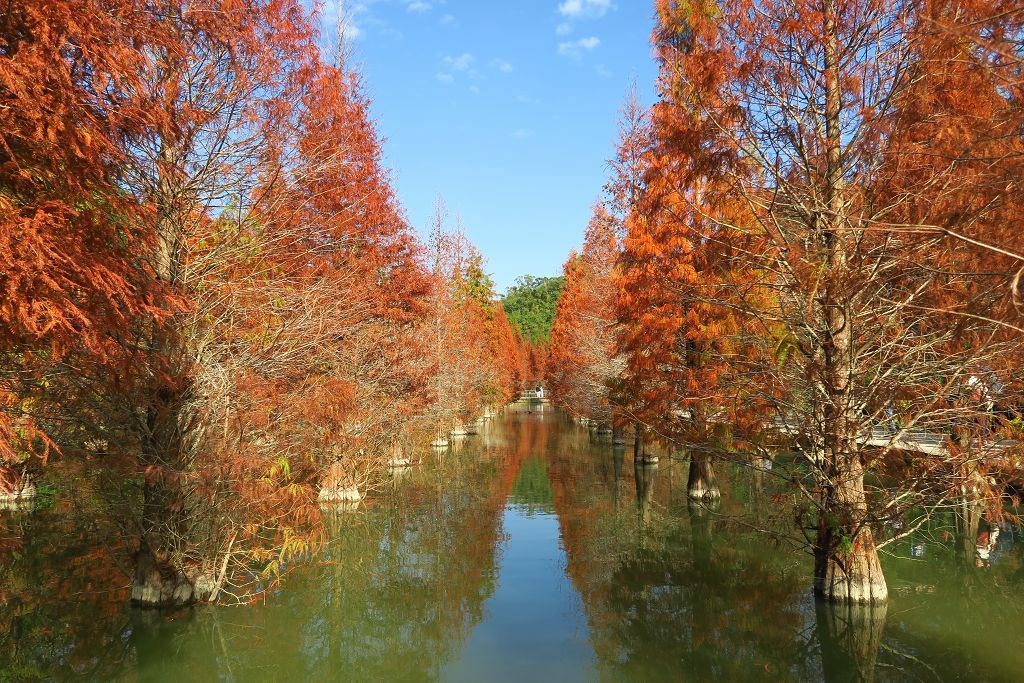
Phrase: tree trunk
(17, 491)
(337, 486)
(161, 580)
(159, 583)
(969, 513)
(619, 435)
(846, 565)
(701, 483)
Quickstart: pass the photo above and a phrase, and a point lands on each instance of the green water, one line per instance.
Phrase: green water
(531, 553)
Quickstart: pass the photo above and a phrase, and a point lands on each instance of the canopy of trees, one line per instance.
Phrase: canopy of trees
(530, 306)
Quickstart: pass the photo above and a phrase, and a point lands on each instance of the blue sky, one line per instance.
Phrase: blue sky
(507, 110)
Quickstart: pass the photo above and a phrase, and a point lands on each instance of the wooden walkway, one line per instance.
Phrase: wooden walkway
(915, 440)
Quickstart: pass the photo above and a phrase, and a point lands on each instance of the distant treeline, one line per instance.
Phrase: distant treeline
(530, 306)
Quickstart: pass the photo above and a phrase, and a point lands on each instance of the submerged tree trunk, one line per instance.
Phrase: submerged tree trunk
(161, 583)
(175, 522)
(619, 434)
(17, 491)
(846, 565)
(162, 578)
(170, 510)
(701, 483)
(337, 485)
(969, 513)
(638, 441)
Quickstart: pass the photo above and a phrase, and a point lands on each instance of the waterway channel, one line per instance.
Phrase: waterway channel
(531, 552)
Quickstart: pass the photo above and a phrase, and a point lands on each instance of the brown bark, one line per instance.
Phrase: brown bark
(619, 435)
(161, 580)
(702, 483)
(337, 485)
(159, 583)
(846, 565)
(969, 513)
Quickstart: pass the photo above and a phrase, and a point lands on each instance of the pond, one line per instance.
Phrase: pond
(532, 551)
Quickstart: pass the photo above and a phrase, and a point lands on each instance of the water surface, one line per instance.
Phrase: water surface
(531, 552)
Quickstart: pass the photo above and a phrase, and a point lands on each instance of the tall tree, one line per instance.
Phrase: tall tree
(69, 95)
(583, 361)
(777, 132)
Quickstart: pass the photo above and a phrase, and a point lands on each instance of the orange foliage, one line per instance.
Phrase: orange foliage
(207, 271)
(583, 362)
(68, 96)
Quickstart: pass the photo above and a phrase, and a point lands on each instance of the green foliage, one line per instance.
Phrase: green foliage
(532, 487)
(530, 305)
(46, 495)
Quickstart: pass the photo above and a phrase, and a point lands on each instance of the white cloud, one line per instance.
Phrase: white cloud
(563, 29)
(447, 20)
(503, 66)
(350, 30)
(329, 18)
(576, 48)
(577, 9)
(444, 77)
(419, 7)
(523, 133)
(463, 62)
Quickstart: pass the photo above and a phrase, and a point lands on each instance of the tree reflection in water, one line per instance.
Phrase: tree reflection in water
(663, 601)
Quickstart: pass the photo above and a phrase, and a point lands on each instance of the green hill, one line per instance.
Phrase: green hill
(530, 305)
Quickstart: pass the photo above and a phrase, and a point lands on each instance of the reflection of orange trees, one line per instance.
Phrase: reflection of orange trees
(660, 591)
(400, 587)
(525, 438)
(412, 580)
(63, 588)
(431, 555)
